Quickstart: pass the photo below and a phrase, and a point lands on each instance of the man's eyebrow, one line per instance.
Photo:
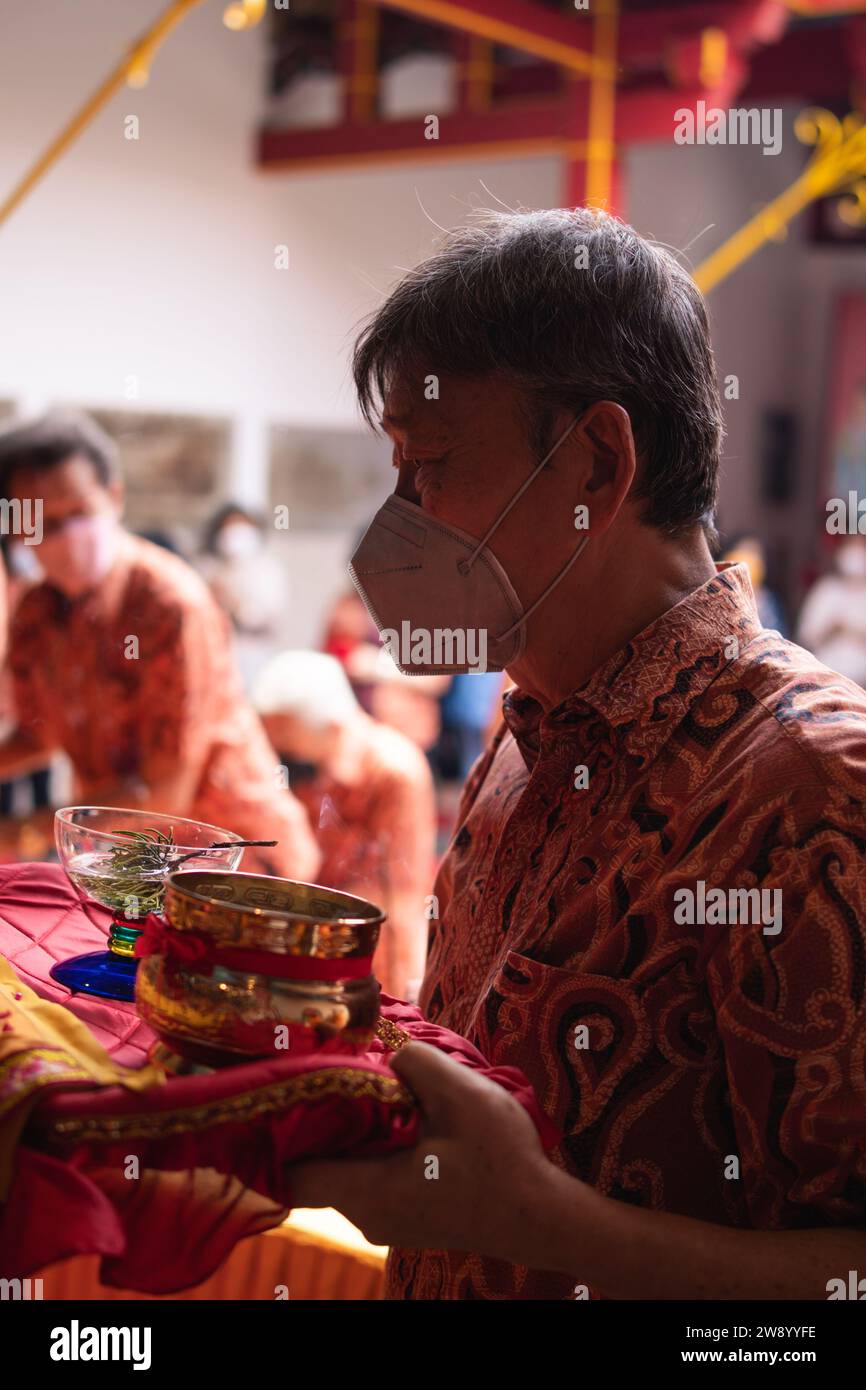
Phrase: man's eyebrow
(390, 421)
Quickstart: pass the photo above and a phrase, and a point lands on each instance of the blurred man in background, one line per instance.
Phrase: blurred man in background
(833, 617)
(369, 793)
(407, 703)
(247, 581)
(121, 659)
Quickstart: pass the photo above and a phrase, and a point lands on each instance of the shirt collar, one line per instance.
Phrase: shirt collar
(644, 691)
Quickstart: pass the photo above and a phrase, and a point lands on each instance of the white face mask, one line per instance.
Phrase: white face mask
(851, 561)
(441, 600)
(77, 557)
(238, 541)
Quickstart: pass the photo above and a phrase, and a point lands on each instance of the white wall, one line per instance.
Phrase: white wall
(155, 258)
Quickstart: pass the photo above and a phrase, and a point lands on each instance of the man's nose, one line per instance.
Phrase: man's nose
(405, 486)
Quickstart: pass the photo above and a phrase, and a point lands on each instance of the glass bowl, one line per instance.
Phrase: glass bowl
(253, 966)
(120, 858)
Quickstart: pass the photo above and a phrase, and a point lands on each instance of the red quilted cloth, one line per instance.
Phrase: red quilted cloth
(163, 1182)
(42, 920)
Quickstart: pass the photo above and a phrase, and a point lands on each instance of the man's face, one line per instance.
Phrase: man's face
(68, 491)
(297, 740)
(79, 523)
(462, 458)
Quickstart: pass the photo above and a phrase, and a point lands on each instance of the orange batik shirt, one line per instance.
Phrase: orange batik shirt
(701, 1049)
(136, 680)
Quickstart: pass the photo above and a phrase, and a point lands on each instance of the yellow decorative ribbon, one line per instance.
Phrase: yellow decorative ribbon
(44, 1044)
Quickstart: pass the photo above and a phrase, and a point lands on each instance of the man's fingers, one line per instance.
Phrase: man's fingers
(443, 1087)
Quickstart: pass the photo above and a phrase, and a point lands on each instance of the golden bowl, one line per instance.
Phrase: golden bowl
(252, 967)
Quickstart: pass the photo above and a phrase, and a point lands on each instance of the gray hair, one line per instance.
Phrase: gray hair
(310, 686)
(52, 439)
(575, 307)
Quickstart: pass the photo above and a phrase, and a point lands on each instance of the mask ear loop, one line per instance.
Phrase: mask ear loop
(552, 585)
(465, 565)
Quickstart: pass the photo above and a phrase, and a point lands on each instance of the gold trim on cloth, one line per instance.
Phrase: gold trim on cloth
(343, 1081)
(393, 1037)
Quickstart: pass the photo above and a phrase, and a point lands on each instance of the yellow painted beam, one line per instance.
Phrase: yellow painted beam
(602, 105)
(838, 166)
(134, 69)
(488, 26)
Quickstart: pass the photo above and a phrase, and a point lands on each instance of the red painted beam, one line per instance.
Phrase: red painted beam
(554, 125)
(812, 64)
(527, 127)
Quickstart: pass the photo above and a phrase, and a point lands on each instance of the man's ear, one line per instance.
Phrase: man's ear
(607, 427)
(117, 494)
(606, 434)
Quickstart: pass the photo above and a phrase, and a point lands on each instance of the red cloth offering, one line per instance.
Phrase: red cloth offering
(163, 1182)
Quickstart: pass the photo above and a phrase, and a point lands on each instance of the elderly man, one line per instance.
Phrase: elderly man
(122, 660)
(655, 899)
(368, 792)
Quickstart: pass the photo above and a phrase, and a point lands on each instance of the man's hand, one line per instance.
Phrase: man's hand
(496, 1194)
(475, 1180)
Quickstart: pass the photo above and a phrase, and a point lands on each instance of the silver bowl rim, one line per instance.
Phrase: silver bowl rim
(173, 881)
(63, 812)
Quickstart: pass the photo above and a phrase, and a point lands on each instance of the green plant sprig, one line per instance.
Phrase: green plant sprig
(136, 872)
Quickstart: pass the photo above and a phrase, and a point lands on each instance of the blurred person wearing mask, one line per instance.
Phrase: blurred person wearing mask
(833, 617)
(409, 704)
(369, 794)
(247, 582)
(121, 659)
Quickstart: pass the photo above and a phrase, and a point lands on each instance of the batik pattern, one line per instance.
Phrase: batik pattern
(719, 753)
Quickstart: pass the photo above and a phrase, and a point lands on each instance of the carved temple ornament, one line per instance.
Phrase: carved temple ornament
(838, 166)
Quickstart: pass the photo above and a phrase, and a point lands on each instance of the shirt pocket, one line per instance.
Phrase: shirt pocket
(576, 1036)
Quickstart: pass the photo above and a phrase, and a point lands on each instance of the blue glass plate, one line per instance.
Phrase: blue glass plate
(98, 972)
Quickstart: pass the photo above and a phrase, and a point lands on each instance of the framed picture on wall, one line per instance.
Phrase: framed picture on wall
(175, 467)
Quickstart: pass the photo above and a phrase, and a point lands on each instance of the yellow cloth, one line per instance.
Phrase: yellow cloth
(44, 1044)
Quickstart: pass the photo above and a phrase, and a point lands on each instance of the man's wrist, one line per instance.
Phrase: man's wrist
(549, 1221)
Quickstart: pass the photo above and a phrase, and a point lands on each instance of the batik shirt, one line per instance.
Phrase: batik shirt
(700, 1047)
